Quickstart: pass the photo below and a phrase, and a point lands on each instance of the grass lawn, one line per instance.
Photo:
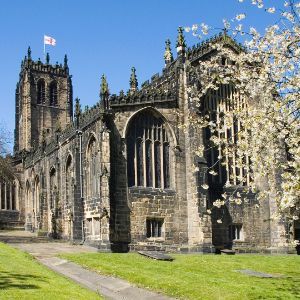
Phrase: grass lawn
(21, 277)
(202, 276)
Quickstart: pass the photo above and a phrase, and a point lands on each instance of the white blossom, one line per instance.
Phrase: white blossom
(205, 186)
(271, 10)
(240, 17)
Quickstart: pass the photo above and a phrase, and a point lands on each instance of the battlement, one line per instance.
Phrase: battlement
(203, 48)
(56, 69)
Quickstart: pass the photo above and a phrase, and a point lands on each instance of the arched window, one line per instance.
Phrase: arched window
(2, 194)
(92, 165)
(148, 152)
(53, 93)
(28, 196)
(68, 179)
(14, 196)
(53, 188)
(41, 91)
(37, 194)
(225, 159)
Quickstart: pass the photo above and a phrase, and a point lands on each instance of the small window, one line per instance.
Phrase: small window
(154, 227)
(235, 232)
(96, 227)
(89, 226)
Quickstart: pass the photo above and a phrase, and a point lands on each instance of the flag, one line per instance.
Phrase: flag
(48, 40)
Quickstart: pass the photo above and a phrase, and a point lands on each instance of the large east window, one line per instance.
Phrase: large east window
(148, 152)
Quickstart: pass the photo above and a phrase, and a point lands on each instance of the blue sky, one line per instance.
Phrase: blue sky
(102, 37)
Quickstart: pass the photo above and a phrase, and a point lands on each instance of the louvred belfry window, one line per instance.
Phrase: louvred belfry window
(53, 94)
(41, 91)
(148, 152)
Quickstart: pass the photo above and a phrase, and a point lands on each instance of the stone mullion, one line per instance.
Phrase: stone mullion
(10, 198)
(153, 157)
(0, 195)
(162, 182)
(135, 163)
(144, 156)
(219, 134)
(233, 137)
(5, 196)
(224, 104)
(17, 196)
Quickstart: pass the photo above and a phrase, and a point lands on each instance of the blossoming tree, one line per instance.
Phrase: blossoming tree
(264, 109)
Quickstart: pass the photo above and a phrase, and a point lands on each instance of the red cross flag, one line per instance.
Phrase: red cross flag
(48, 40)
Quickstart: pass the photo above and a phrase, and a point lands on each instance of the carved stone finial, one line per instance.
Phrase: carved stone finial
(103, 87)
(65, 61)
(180, 38)
(47, 58)
(77, 108)
(168, 56)
(133, 81)
(29, 52)
(104, 92)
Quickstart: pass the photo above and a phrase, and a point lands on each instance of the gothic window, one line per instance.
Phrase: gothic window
(148, 152)
(92, 166)
(28, 195)
(52, 189)
(154, 227)
(13, 195)
(2, 195)
(41, 91)
(68, 179)
(53, 93)
(224, 159)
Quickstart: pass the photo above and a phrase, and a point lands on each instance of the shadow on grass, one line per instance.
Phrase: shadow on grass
(10, 280)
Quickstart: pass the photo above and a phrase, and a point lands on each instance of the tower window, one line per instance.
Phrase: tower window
(148, 152)
(41, 92)
(53, 94)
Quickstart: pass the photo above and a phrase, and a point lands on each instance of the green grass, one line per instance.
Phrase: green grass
(21, 277)
(202, 276)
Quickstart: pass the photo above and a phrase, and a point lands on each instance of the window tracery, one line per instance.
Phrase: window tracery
(148, 152)
(92, 166)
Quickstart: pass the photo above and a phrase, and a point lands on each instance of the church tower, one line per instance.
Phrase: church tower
(44, 101)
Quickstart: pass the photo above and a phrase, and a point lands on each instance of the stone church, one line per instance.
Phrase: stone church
(121, 175)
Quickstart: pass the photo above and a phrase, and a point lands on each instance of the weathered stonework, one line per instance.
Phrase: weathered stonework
(74, 173)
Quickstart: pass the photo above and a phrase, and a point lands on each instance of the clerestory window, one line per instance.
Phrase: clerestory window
(148, 152)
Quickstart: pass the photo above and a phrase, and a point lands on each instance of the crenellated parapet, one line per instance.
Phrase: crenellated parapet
(161, 88)
(201, 49)
(55, 69)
